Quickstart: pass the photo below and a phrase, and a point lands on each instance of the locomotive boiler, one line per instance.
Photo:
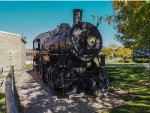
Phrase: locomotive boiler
(65, 57)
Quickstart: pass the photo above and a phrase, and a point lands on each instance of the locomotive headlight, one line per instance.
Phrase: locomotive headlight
(91, 40)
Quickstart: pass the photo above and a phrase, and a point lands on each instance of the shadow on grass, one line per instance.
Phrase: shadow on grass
(126, 75)
(132, 78)
(131, 108)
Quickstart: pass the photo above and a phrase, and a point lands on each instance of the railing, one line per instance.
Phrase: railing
(10, 101)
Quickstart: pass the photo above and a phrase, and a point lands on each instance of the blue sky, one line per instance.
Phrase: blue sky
(33, 18)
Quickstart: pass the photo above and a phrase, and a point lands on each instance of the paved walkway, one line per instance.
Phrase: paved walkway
(37, 97)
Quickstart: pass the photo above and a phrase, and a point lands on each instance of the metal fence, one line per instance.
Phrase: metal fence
(10, 101)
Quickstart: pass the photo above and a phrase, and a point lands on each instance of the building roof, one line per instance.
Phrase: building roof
(8, 33)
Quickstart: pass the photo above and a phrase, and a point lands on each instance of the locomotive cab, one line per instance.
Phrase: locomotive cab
(36, 45)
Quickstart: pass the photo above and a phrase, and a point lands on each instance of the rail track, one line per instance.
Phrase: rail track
(37, 97)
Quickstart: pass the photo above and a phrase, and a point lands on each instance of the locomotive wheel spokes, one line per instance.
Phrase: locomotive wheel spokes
(73, 89)
(61, 85)
(48, 76)
(43, 73)
(57, 80)
(92, 85)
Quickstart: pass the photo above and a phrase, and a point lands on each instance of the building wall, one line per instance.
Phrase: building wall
(23, 55)
(12, 51)
(29, 56)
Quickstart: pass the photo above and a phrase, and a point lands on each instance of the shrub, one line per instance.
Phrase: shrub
(126, 60)
(141, 60)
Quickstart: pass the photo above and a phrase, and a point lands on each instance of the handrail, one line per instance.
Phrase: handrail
(10, 103)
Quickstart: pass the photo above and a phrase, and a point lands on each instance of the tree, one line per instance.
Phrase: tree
(106, 51)
(124, 52)
(114, 50)
(132, 21)
(110, 51)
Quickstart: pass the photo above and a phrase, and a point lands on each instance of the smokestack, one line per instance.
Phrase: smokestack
(77, 16)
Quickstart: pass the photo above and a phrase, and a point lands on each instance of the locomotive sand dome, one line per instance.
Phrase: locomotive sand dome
(65, 57)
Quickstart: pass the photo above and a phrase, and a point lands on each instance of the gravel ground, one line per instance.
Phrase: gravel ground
(37, 97)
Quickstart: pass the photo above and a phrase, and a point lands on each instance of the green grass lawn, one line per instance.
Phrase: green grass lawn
(29, 67)
(2, 97)
(2, 102)
(131, 78)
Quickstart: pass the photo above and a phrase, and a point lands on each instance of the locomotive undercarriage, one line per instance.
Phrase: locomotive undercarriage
(70, 80)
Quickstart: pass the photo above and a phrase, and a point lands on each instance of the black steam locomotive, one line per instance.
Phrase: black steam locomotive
(65, 57)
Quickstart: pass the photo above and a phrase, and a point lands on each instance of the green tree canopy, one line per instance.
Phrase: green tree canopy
(132, 21)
